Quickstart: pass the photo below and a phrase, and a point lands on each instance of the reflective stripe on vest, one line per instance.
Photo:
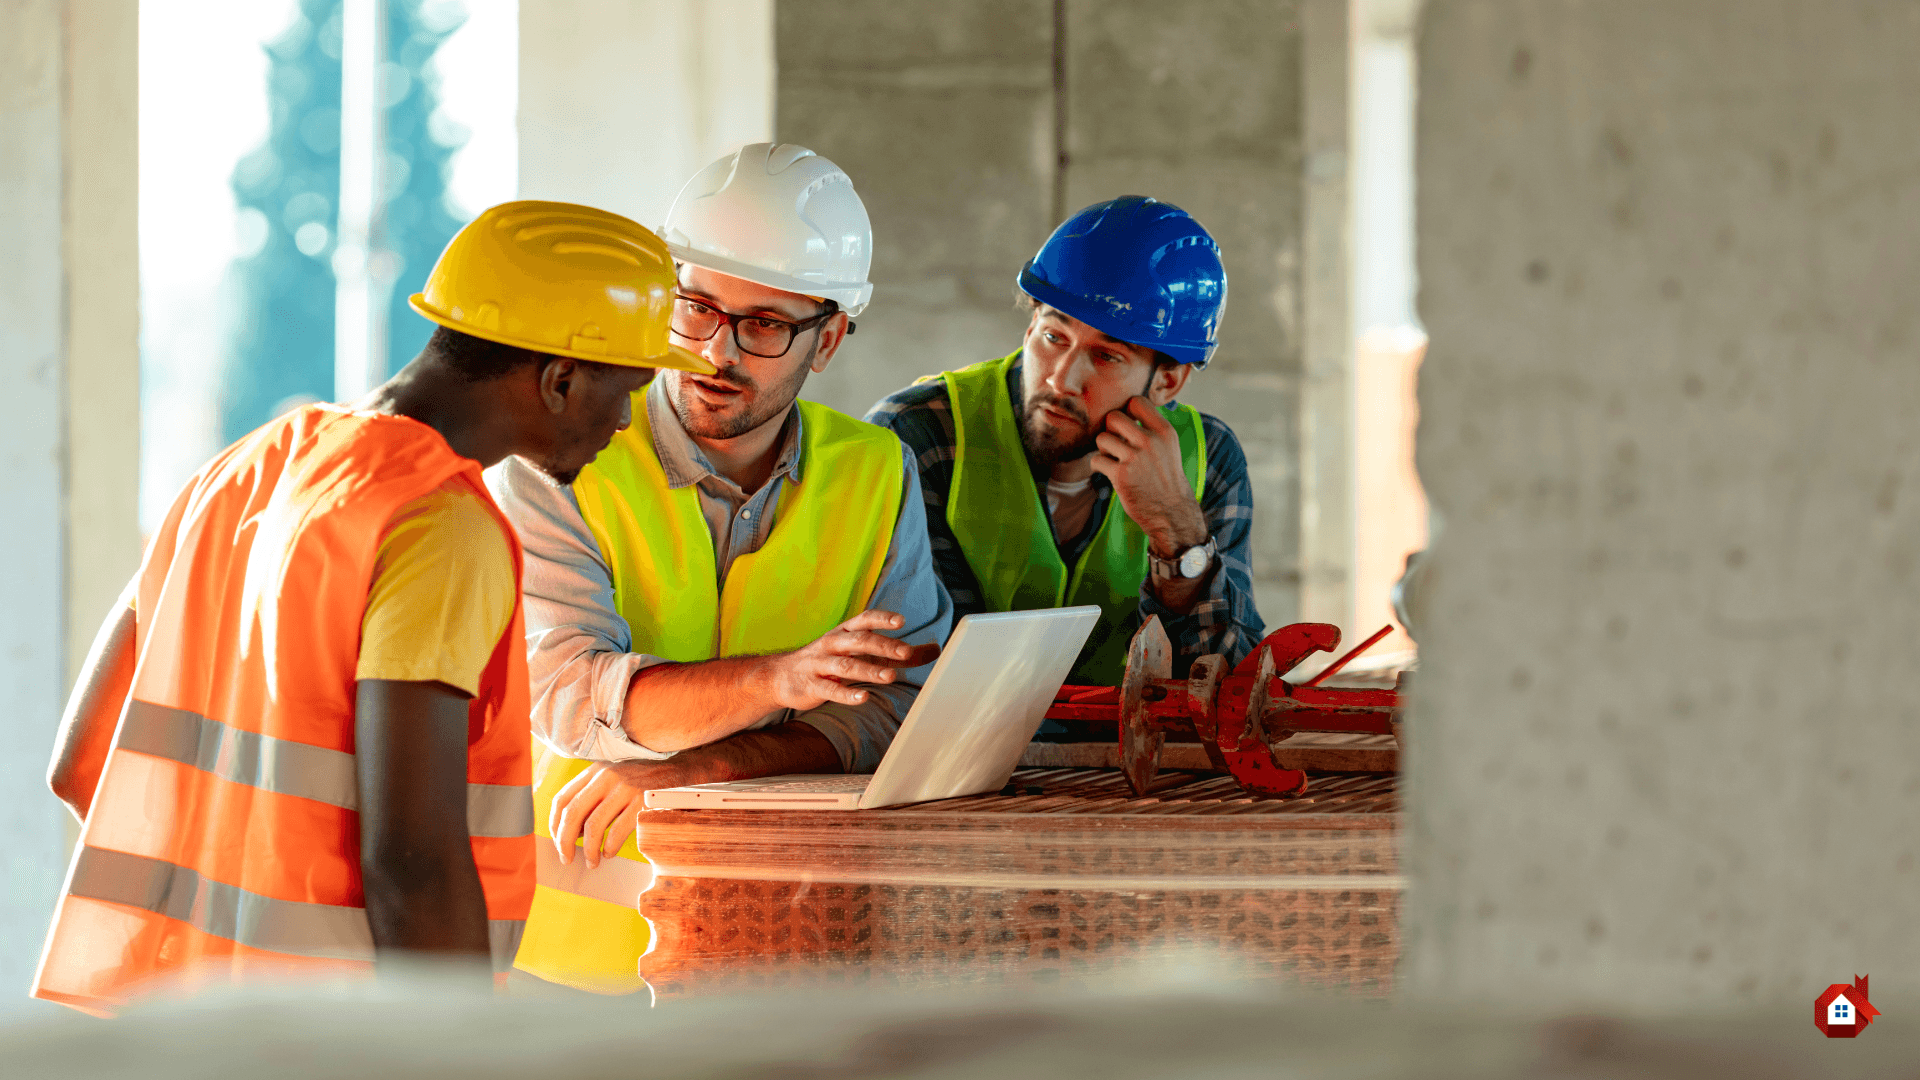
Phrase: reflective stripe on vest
(817, 569)
(223, 838)
(227, 911)
(1001, 521)
(292, 768)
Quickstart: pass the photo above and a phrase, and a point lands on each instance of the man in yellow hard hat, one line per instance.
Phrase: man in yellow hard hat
(741, 585)
(302, 743)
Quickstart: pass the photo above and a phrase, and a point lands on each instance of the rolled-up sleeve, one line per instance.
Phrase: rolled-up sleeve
(909, 588)
(577, 643)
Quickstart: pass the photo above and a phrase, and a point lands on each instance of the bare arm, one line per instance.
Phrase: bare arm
(672, 707)
(416, 860)
(598, 806)
(86, 728)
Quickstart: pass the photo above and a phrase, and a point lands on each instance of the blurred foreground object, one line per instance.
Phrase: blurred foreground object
(1177, 1021)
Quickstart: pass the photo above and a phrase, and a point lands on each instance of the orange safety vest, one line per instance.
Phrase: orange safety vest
(224, 839)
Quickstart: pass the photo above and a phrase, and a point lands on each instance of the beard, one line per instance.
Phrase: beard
(759, 406)
(1048, 445)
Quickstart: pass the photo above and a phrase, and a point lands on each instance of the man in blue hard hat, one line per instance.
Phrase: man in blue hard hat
(1067, 473)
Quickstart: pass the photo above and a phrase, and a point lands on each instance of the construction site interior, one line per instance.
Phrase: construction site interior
(1594, 310)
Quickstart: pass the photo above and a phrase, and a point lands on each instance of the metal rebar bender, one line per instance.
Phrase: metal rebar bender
(1238, 715)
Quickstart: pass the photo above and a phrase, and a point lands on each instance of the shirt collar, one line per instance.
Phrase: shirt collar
(682, 459)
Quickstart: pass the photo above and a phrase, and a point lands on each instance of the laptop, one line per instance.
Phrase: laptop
(964, 735)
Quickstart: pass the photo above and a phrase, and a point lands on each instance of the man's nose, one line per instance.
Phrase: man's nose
(1069, 377)
(720, 349)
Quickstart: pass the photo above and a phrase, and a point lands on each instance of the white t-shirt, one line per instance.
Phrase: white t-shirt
(1068, 504)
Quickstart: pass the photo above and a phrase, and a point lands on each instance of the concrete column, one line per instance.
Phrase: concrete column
(943, 115)
(970, 131)
(1203, 105)
(621, 101)
(1327, 518)
(1666, 753)
(70, 419)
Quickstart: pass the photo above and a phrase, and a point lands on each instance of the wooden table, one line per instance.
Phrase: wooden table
(1063, 875)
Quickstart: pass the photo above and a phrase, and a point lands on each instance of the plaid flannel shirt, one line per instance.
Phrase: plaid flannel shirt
(1223, 620)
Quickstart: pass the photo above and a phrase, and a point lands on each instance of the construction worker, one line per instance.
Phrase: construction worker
(741, 585)
(1065, 473)
(301, 744)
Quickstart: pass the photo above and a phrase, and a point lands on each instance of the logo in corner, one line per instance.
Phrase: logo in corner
(1842, 1011)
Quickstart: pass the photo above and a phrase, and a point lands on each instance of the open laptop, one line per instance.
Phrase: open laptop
(964, 735)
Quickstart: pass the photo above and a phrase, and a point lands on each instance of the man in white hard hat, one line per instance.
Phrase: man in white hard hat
(741, 585)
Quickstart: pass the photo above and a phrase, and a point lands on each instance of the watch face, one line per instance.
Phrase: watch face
(1193, 562)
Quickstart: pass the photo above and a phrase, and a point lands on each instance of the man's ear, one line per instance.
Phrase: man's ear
(832, 333)
(1168, 381)
(557, 380)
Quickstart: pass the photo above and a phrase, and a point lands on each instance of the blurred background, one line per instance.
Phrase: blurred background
(1664, 252)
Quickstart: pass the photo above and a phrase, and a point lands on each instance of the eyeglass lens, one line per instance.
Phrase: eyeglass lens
(756, 337)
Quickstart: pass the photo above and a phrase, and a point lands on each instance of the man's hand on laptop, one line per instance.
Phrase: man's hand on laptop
(853, 652)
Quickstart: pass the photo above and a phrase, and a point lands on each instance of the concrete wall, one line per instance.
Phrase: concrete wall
(972, 129)
(622, 101)
(1667, 750)
(944, 117)
(70, 420)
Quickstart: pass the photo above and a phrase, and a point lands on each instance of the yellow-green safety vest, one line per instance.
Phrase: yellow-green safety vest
(1001, 521)
(817, 569)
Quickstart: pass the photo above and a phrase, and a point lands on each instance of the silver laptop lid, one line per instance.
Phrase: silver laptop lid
(987, 695)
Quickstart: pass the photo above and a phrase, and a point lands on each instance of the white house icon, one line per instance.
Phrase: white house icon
(1840, 1010)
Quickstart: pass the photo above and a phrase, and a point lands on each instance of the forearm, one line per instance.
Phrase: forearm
(423, 895)
(580, 686)
(780, 750)
(861, 733)
(1178, 594)
(674, 707)
(1213, 613)
(422, 889)
(93, 711)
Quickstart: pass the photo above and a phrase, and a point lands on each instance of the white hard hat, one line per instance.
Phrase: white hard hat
(778, 215)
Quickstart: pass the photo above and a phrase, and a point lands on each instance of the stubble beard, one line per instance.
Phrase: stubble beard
(708, 425)
(1046, 444)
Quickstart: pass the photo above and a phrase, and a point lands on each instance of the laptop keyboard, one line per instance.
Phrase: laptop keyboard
(849, 785)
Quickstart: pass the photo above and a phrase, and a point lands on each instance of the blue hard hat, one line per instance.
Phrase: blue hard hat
(1138, 270)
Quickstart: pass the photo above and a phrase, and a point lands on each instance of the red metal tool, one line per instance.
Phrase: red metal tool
(1239, 716)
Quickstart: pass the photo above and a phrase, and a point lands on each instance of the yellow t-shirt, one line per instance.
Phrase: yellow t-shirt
(442, 592)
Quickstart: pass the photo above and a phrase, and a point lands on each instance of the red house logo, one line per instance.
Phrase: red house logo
(1841, 1011)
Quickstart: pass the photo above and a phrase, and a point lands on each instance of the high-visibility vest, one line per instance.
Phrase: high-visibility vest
(817, 569)
(1001, 521)
(224, 838)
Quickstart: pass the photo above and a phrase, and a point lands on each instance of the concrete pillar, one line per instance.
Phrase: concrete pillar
(944, 116)
(1203, 105)
(972, 129)
(70, 419)
(1666, 753)
(1327, 517)
(621, 101)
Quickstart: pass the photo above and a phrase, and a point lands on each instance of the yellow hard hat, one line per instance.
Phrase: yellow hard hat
(563, 279)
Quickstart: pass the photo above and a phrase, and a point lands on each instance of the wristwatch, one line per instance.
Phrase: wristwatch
(1189, 564)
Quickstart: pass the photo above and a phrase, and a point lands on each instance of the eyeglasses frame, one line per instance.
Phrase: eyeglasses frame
(732, 321)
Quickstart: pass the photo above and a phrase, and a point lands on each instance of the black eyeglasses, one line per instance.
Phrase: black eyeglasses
(755, 335)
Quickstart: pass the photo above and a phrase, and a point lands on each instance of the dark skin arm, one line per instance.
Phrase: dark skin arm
(416, 860)
(599, 804)
(93, 711)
